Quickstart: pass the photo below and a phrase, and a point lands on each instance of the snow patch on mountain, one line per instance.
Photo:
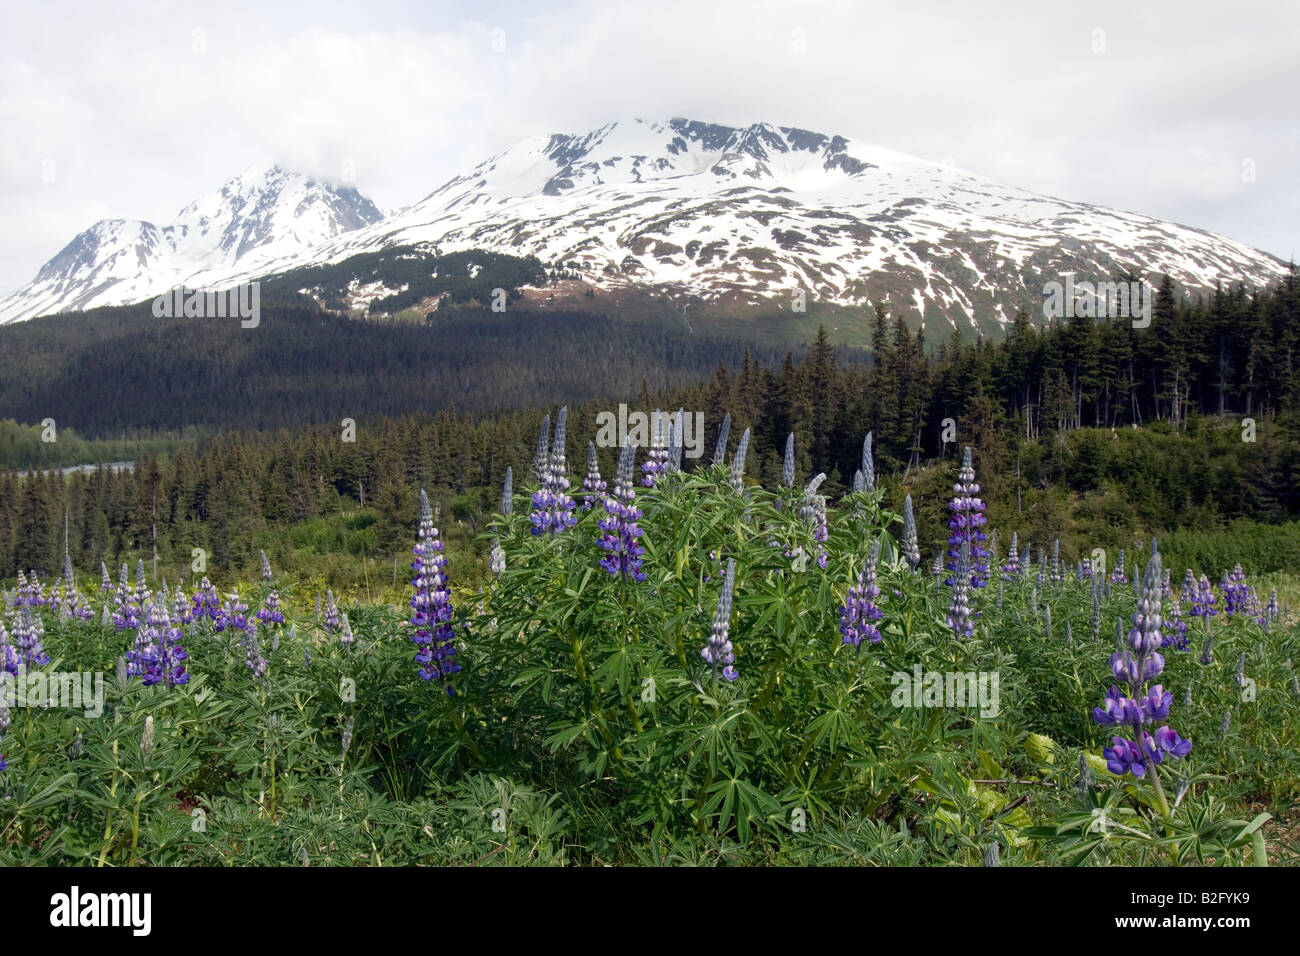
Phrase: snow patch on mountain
(754, 213)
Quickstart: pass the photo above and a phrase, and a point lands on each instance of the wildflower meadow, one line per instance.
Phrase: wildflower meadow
(663, 665)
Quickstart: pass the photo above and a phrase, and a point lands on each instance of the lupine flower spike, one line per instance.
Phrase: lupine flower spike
(720, 449)
(1117, 576)
(542, 458)
(1236, 592)
(205, 602)
(738, 464)
(859, 614)
(959, 613)
(592, 484)
(787, 465)
(621, 535)
(657, 457)
(911, 548)
(331, 612)
(718, 652)
(431, 603)
(868, 465)
(1139, 705)
(679, 443)
(1011, 570)
(813, 513)
(508, 493)
(552, 505)
(967, 523)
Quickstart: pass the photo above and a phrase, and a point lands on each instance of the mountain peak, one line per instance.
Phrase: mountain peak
(741, 214)
(262, 214)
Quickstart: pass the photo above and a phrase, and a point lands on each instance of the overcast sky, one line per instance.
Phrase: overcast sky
(132, 110)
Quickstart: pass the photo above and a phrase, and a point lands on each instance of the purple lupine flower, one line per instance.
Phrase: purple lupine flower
(126, 609)
(346, 637)
(1136, 705)
(1236, 592)
(859, 613)
(182, 611)
(27, 637)
(720, 448)
(269, 612)
(30, 593)
(1203, 600)
(911, 548)
(1117, 575)
(1271, 613)
(266, 567)
(620, 537)
(787, 463)
(105, 582)
(8, 656)
(233, 616)
(959, 612)
(1011, 570)
(552, 505)
(331, 611)
(737, 480)
(205, 602)
(967, 523)
(158, 657)
(431, 603)
(253, 651)
(1056, 574)
(1175, 631)
(718, 651)
(142, 592)
(657, 457)
(592, 484)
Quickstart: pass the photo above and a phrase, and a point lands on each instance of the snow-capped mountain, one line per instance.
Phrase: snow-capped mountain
(258, 217)
(716, 213)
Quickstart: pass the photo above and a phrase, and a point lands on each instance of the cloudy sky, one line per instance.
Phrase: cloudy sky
(1182, 110)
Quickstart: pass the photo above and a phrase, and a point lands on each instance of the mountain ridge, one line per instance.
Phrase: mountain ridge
(700, 211)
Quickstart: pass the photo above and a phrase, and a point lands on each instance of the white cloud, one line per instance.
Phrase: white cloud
(141, 114)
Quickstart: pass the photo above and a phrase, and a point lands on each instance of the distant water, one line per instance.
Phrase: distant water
(114, 466)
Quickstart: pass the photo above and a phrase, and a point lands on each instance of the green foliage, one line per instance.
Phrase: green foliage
(586, 728)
